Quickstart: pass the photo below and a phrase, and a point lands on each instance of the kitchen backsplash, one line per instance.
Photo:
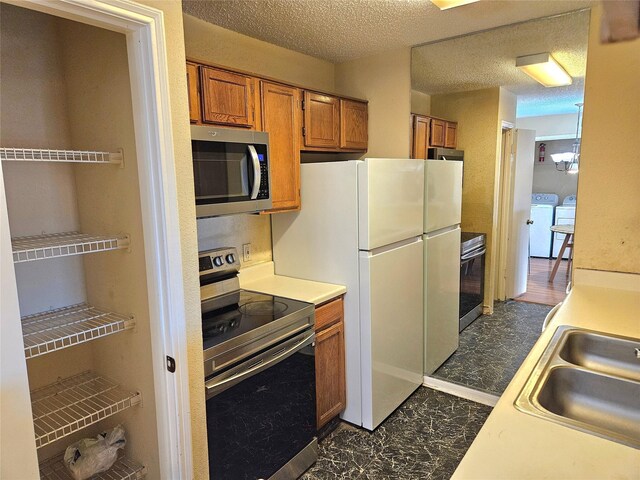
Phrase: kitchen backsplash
(236, 230)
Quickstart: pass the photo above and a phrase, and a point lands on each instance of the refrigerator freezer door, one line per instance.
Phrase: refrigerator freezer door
(441, 297)
(391, 194)
(320, 243)
(391, 290)
(443, 194)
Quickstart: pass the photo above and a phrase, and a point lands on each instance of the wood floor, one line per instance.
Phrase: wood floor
(539, 290)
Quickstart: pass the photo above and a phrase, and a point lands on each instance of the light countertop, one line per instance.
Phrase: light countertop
(515, 445)
(261, 278)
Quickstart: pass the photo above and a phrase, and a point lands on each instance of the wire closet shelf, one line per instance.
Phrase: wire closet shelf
(123, 469)
(39, 247)
(73, 403)
(64, 327)
(73, 156)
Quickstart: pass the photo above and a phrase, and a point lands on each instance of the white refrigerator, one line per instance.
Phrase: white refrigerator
(361, 226)
(442, 215)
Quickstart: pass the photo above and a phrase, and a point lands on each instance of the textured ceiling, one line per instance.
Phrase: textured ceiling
(340, 30)
(487, 59)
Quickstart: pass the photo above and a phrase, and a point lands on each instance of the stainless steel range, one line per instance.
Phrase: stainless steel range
(472, 257)
(259, 368)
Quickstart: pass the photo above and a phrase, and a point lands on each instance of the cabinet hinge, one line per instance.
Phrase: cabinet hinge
(304, 131)
(302, 103)
(171, 364)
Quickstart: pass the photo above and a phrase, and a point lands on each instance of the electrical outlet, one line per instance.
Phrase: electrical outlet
(246, 252)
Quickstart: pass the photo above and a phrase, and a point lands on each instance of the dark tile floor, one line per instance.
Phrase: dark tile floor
(493, 347)
(424, 439)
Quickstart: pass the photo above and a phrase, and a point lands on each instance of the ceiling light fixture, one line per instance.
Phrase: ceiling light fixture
(543, 68)
(447, 4)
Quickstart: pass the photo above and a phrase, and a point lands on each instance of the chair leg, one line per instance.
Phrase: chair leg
(565, 242)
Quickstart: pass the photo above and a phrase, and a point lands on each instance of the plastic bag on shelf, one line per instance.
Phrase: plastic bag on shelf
(90, 456)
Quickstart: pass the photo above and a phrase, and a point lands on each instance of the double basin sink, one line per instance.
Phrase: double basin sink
(589, 381)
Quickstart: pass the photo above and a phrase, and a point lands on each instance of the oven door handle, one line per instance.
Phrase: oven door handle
(215, 386)
(470, 256)
(257, 174)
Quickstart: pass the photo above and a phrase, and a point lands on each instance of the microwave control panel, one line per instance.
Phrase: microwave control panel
(264, 178)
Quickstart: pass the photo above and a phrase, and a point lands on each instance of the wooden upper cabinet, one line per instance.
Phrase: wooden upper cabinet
(227, 98)
(437, 132)
(194, 92)
(420, 137)
(354, 125)
(450, 135)
(281, 119)
(321, 121)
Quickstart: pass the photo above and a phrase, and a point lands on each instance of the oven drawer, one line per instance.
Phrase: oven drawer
(262, 413)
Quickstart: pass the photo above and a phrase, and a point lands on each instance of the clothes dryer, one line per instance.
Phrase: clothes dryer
(542, 213)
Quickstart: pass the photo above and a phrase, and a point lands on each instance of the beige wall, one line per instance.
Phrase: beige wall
(608, 210)
(384, 80)
(213, 44)
(546, 179)
(550, 127)
(210, 43)
(477, 114)
(420, 103)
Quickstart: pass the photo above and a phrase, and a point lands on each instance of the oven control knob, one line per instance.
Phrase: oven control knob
(218, 262)
(231, 258)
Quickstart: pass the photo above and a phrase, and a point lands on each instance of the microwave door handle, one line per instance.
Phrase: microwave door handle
(257, 176)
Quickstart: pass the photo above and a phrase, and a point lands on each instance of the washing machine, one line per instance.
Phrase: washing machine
(565, 215)
(540, 236)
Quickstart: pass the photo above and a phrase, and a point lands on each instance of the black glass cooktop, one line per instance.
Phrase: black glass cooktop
(243, 312)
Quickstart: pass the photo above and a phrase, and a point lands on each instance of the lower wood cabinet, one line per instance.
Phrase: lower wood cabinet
(330, 361)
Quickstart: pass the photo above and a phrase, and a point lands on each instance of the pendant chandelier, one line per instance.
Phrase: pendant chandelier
(567, 162)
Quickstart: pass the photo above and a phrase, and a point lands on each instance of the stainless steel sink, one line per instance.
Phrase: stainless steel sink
(602, 353)
(589, 381)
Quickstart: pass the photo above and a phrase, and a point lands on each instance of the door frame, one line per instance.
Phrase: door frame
(505, 207)
(143, 27)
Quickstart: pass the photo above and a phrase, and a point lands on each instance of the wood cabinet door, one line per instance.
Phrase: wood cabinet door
(321, 121)
(437, 132)
(330, 373)
(281, 119)
(194, 92)
(450, 135)
(227, 98)
(354, 125)
(420, 137)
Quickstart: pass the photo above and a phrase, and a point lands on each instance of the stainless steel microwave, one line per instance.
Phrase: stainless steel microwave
(230, 170)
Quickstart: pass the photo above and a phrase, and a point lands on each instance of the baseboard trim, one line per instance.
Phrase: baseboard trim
(461, 391)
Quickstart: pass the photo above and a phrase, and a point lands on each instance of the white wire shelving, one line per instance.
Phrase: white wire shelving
(123, 469)
(38, 247)
(64, 327)
(73, 403)
(47, 155)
